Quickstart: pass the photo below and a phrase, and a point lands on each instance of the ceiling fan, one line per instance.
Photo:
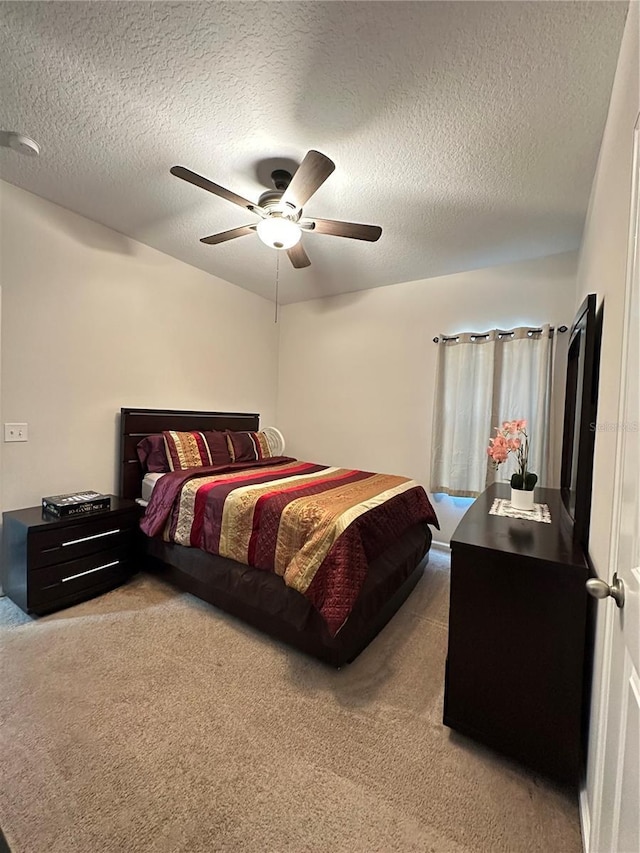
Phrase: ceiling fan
(280, 210)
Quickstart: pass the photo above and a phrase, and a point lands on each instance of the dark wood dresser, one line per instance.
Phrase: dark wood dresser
(518, 660)
(49, 563)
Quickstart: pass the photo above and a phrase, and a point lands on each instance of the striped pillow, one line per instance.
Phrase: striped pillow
(248, 446)
(218, 447)
(194, 449)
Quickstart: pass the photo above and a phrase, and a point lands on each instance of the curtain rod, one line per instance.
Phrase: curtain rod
(486, 334)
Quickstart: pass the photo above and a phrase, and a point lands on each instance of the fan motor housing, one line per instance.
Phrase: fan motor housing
(271, 201)
(271, 198)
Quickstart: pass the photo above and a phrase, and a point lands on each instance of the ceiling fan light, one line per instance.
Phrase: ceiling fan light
(278, 233)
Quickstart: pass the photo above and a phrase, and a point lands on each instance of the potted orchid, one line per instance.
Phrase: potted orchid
(513, 438)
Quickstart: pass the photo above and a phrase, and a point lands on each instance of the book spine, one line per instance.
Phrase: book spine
(76, 509)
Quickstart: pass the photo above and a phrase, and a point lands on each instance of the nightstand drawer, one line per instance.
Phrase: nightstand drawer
(71, 542)
(64, 579)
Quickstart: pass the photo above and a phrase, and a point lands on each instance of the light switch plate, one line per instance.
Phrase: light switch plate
(16, 432)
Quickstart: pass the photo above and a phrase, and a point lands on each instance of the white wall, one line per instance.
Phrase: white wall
(602, 270)
(93, 321)
(357, 372)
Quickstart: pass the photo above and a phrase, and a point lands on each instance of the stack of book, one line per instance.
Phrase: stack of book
(77, 503)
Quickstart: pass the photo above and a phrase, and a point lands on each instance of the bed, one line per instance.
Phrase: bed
(258, 597)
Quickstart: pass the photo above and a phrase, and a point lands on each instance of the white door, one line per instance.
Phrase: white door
(617, 808)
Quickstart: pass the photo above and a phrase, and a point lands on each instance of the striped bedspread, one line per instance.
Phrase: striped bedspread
(315, 526)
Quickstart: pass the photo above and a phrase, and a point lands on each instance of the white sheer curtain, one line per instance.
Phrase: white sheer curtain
(484, 379)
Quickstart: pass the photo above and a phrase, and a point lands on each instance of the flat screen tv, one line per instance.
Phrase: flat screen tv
(580, 409)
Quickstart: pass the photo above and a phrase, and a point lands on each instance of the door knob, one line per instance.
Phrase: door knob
(600, 589)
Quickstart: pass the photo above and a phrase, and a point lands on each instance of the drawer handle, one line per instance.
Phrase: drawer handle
(89, 571)
(89, 538)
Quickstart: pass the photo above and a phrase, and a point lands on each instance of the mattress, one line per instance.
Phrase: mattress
(148, 483)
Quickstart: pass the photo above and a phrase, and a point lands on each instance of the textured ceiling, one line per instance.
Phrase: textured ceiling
(468, 131)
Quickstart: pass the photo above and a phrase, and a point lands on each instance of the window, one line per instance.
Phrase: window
(484, 379)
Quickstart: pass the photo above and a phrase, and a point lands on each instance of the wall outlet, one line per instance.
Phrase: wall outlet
(16, 432)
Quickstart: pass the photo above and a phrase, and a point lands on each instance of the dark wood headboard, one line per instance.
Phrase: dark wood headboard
(135, 424)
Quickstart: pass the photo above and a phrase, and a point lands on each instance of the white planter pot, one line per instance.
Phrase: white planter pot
(521, 499)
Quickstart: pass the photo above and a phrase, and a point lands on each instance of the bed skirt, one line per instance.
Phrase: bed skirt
(262, 599)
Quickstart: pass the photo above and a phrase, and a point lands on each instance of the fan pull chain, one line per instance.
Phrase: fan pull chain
(277, 284)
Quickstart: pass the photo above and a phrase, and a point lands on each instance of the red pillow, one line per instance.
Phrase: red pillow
(152, 455)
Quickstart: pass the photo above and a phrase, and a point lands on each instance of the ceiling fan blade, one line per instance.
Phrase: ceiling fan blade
(298, 256)
(206, 184)
(310, 175)
(347, 229)
(228, 235)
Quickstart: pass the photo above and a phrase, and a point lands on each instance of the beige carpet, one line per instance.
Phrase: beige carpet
(146, 720)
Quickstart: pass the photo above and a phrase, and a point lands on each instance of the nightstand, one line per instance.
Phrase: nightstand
(49, 562)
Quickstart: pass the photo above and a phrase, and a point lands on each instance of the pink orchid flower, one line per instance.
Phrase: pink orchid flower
(511, 438)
